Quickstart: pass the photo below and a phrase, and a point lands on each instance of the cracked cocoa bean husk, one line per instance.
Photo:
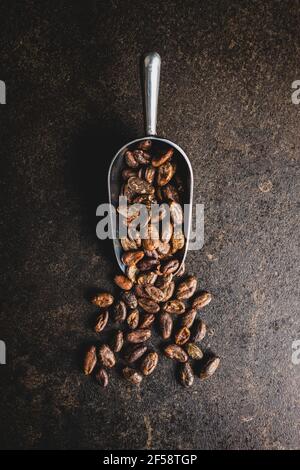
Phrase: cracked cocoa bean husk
(130, 299)
(139, 336)
(147, 264)
(103, 300)
(135, 353)
(188, 318)
(123, 282)
(209, 368)
(194, 351)
(106, 356)
(141, 156)
(130, 258)
(186, 375)
(118, 341)
(166, 325)
(147, 278)
(120, 311)
(186, 288)
(147, 320)
(173, 351)
(170, 267)
(129, 245)
(202, 300)
(199, 331)
(182, 336)
(90, 360)
(131, 273)
(101, 321)
(149, 363)
(148, 305)
(133, 319)
(174, 306)
(155, 293)
(168, 291)
(132, 375)
(101, 377)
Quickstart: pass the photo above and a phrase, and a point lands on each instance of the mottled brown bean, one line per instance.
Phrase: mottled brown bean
(135, 353)
(133, 319)
(175, 352)
(166, 325)
(174, 306)
(103, 300)
(209, 368)
(90, 360)
(123, 282)
(186, 375)
(148, 305)
(202, 300)
(186, 288)
(139, 336)
(149, 363)
(118, 341)
(106, 356)
(199, 331)
(101, 321)
(182, 336)
(101, 377)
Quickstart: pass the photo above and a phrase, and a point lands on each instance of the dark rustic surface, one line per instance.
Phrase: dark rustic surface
(73, 97)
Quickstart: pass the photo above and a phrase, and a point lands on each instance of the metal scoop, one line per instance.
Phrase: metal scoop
(152, 62)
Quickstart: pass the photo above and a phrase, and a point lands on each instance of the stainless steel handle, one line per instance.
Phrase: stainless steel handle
(152, 63)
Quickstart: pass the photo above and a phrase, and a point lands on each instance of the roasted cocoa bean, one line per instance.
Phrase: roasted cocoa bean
(130, 258)
(186, 288)
(188, 318)
(166, 325)
(106, 356)
(139, 336)
(209, 368)
(103, 300)
(133, 319)
(202, 300)
(168, 291)
(194, 351)
(123, 282)
(130, 299)
(101, 322)
(90, 360)
(181, 270)
(131, 272)
(182, 336)
(147, 264)
(173, 351)
(120, 311)
(147, 278)
(186, 375)
(170, 267)
(199, 331)
(118, 341)
(147, 320)
(135, 353)
(174, 306)
(155, 293)
(149, 363)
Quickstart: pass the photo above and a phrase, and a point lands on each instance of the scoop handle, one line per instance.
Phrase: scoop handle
(152, 63)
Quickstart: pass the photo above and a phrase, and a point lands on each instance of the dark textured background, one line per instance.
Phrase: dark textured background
(73, 97)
